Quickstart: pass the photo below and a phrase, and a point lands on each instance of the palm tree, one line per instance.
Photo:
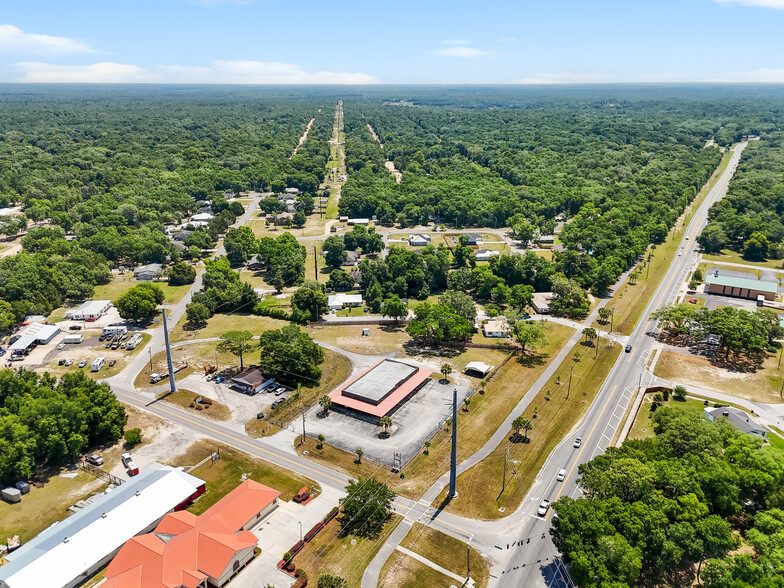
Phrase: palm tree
(547, 394)
(517, 424)
(321, 441)
(385, 423)
(482, 384)
(466, 402)
(526, 426)
(604, 314)
(535, 412)
(427, 447)
(326, 403)
(359, 453)
(446, 369)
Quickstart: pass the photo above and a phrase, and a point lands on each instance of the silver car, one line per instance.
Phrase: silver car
(543, 508)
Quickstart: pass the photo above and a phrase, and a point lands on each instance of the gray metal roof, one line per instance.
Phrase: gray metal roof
(379, 382)
(747, 283)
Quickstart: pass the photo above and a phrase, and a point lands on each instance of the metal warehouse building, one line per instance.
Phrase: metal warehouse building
(740, 287)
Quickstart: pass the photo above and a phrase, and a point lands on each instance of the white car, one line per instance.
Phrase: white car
(578, 442)
(543, 507)
(561, 475)
(61, 346)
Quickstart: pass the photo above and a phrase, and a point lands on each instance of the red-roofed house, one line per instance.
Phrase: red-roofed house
(190, 551)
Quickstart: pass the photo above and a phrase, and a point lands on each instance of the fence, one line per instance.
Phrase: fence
(96, 471)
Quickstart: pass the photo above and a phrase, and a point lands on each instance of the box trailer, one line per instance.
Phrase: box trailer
(134, 341)
(73, 339)
(114, 330)
(97, 364)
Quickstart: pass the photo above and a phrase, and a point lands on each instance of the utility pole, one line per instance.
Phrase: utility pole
(612, 318)
(453, 459)
(172, 384)
(303, 425)
(468, 563)
(569, 390)
(506, 458)
(150, 350)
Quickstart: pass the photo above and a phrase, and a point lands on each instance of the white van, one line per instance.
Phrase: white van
(97, 364)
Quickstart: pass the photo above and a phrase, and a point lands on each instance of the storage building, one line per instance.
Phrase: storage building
(69, 552)
(740, 287)
(89, 311)
(251, 381)
(338, 301)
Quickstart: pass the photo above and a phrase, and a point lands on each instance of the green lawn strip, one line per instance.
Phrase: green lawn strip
(403, 571)
(729, 256)
(185, 399)
(630, 301)
(480, 487)
(121, 284)
(42, 507)
(221, 323)
(446, 551)
(227, 473)
(346, 557)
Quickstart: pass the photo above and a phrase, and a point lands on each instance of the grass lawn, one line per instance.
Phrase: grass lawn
(346, 557)
(44, 506)
(709, 267)
(227, 473)
(441, 549)
(643, 426)
(196, 356)
(629, 301)
(120, 284)
(353, 311)
(403, 571)
(335, 369)
(760, 386)
(382, 338)
(221, 323)
(547, 254)
(185, 400)
(487, 412)
(255, 279)
(732, 257)
(480, 488)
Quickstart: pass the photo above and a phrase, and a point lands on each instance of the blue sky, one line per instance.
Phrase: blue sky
(402, 41)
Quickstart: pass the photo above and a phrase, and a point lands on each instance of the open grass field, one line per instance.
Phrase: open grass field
(221, 323)
(729, 256)
(184, 399)
(382, 338)
(486, 413)
(121, 284)
(442, 550)
(44, 506)
(227, 473)
(643, 426)
(629, 301)
(760, 386)
(196, 355)
(480, 488)
(346, 557)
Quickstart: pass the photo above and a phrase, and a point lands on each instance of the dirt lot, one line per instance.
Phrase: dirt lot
(759, 386)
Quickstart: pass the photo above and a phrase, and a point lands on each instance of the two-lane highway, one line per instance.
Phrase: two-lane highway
(534, 563)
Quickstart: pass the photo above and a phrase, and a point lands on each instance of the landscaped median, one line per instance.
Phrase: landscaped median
(485, 414)
(404, 571)
(479, 489)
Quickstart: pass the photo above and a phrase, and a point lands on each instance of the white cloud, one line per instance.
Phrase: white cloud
(15, 40)
(464, 52)
(454, 42)
(219, 72)
(766, 3)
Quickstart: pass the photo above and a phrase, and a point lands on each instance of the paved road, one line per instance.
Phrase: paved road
(531, 563)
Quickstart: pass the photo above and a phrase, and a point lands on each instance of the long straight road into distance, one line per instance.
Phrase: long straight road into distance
(535, 563)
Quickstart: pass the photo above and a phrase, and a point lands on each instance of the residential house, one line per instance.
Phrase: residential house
(149, 272)
(474, 239)
(485, 254)
(338, 301)
(738, 418)
(254, 263)
(251, 381)
(352, 259)
(541, 302)
(419, 240)
(496, 328)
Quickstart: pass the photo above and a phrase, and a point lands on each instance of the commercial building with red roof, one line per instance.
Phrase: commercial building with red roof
(380, 390)
(190, 551)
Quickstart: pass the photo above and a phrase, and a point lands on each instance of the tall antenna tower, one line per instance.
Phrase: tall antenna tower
(172, 385)
(453, 459)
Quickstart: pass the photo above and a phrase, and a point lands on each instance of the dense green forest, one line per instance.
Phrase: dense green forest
(748, 220)
(45, 421)
(660, 510)
(110, 168)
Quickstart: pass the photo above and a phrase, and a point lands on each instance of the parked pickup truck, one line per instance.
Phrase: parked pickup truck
(129, 464)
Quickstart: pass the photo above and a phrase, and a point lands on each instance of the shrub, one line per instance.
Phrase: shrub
(133, 437)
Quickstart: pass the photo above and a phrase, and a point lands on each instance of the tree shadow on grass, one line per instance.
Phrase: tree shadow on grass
(739, 363)
(531, 359)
